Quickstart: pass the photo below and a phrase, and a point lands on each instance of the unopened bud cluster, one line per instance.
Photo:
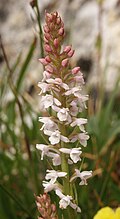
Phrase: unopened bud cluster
(62, 97)
(46, 209)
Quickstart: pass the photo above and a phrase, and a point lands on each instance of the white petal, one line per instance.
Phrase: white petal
(74, 138)
(49, 186)
(57, 102)
(55, 108)
(55, 138)
(63, 114)
(65, 150)
(47, 100)
(69, 92)
(62, 174)
(44, 87)
(59, 193)
(64, 139)
(43, 148)
(65, 86)
(75, 207)
(56, 160)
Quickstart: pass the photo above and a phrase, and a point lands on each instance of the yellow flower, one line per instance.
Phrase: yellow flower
(117, 213)
(107, 213)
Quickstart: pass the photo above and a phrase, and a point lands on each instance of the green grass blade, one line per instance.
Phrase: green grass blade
(18, 202)
(25, 64)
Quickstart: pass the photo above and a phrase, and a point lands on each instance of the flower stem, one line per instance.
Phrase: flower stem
(65, 168)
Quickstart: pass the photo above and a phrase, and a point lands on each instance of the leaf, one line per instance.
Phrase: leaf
(25, 64)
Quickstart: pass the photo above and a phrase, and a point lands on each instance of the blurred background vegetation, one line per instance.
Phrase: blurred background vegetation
(92, 27)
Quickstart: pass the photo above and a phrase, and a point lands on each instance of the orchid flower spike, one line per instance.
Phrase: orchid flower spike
(62, 126)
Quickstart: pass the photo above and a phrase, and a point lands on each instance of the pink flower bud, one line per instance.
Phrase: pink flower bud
(46, 75)
(47, 36)
(70, 54)
(75, 70)
(62, 24)
(58, 21)
(49, 17)
(56, 42)
(45, 196)
(65, 62)
(45, 40)
(43, 61)
(42, 211)
(67, 49)
(47, 205)
(49, 69)
(55, 14)
(48, 48)
(38, 205)
(46, 29)
(53, 207)
(47, 58)
(61, 31)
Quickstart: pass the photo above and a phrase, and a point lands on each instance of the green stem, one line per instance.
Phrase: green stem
(64, 166)
(40, 29)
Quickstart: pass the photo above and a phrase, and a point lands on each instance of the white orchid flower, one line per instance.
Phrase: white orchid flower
(63, 115)
(84, 175)
(58, 81)
(74, 153)
(52, 175)
(49, 126)
(48, 100)
(56, 159)
(82, 137)
(48, 186)
(79, 122)
(65, 201)
(45, 149)
(44, 87)
(56, 137)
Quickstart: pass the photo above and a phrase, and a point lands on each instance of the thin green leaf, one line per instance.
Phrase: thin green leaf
(25, 64)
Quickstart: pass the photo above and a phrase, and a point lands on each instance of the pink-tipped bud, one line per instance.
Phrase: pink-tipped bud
(61, 31)
(65, 62)
(67, 49)
(49, 17)
(70, 54)
(58, 21)
(45, 40)
(43, 61)
(53, 207)
(32, 3)
(42, 211)
(75, 70)
(46, 29)
(55, 13)
(48, 48)
(47, 205)
(46, 75)
(49, 69)
(45, 196)
(38, 205)
(56, 42)
(47, 36)
(62, 24)
(47, 58)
